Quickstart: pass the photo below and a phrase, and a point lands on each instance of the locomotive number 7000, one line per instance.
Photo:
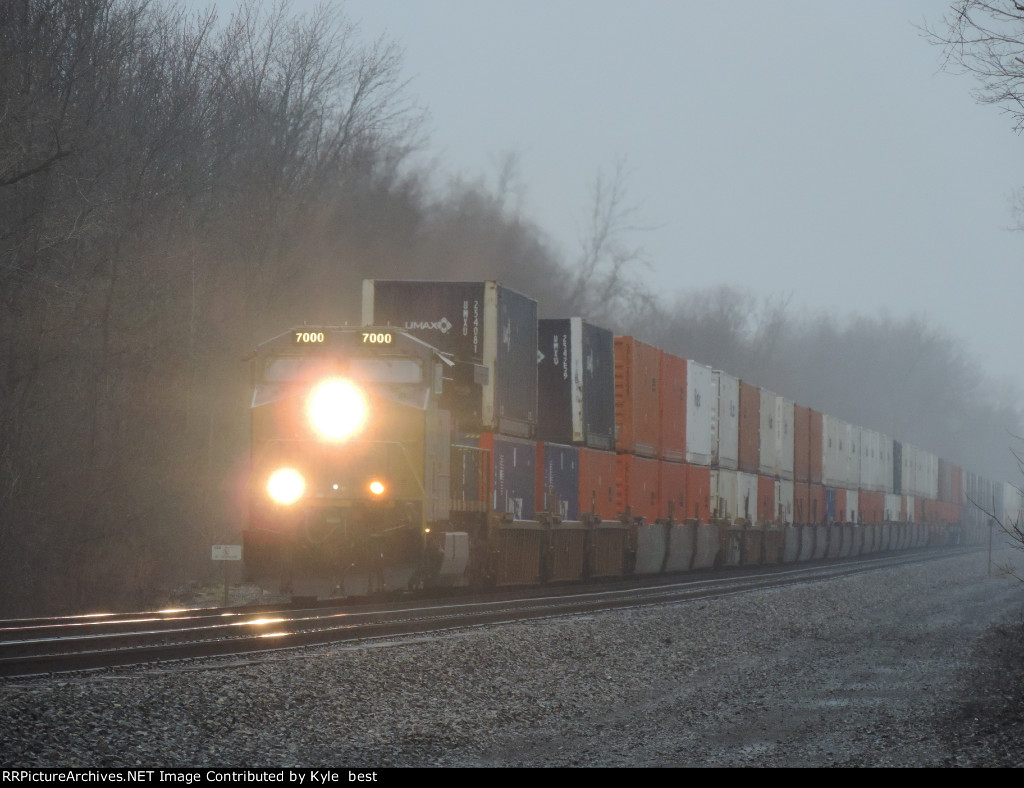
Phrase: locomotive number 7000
(376, 339)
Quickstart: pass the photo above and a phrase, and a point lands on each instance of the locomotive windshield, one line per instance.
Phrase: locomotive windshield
(378, 369)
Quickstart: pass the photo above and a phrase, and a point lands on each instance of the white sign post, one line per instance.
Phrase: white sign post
(226, 552)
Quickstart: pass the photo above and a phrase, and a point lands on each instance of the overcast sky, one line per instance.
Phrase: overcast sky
(798, 148)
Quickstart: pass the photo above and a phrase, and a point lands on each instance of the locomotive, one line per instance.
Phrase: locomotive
(350, 454)
(455, 439)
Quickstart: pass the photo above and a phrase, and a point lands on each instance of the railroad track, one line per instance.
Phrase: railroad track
(58, 645)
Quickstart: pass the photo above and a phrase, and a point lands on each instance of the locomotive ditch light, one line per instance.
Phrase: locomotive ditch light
(285, 486)
(377, 488)
(337, 409)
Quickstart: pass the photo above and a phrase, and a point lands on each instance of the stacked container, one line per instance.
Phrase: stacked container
(725, 421)
(637, 486)
(505, 465)
(637, 397)
(673, 408)
(784, 438)
(598, 494)
(558, 480)
(700, 403)
(576, 381)
(491, 333)
(749, 428)
(768, 442)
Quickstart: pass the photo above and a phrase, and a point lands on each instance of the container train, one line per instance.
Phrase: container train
(455, 439)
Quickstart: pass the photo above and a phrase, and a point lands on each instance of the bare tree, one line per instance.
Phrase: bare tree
(606, 284)
(985, 38)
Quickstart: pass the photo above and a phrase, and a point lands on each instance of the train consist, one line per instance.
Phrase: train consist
(455, 439)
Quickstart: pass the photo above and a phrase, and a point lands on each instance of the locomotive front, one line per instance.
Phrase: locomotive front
(349, 461)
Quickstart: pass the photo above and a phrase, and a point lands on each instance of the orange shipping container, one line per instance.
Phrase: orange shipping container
(750, 427)
(698, 492)
(673, 408)
(766, 500)
(801, 502)
(637, 397)
(637, 485)
(872, 506)
(957, 497)
(672, 490)
(598, 470)
(815, 447)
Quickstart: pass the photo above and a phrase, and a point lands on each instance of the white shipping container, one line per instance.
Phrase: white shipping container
(892, 508)
(885, 468)
(911, 508)
(725, 428)
(871, 462)
(784, 501)
(723, 494)
(852, 509)
(700, 401)
(852, 443)
(930, 482)
(909, 478)
(835, 445)
(767, 463)
(784, 418)
(746, 496)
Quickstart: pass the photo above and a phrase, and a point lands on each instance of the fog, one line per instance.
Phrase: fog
(175, 190)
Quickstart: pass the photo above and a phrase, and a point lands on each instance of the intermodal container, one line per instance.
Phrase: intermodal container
(725, 429)
(834, 450)
(700, 400)
(576, 381)
(673, 406)
(698, 492)
(784, 500)
(637, 486)
(852, 506)
(558, 480)
(749, 427)
(766, 499)
(503, 464)
(872, 506)
(801, 444)
(817, 492)
(957, 485)
(724, 489)
(637, 397)
(672, 490)
(784, 446)
(802, 502)
(597, 496)
(746, 497)
(491, 333)
(768, 456)
(853, 457)
(816, 448)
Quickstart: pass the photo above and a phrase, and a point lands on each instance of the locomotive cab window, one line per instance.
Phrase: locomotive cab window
(280, 369)
(386, 370)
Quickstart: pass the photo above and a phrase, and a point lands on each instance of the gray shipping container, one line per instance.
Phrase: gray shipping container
(490, 332)
(576, 381)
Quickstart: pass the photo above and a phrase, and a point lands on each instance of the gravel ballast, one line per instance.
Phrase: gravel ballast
(916, 666)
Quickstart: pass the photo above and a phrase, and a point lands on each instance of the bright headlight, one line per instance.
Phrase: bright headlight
(337, 409)
(286, 486)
